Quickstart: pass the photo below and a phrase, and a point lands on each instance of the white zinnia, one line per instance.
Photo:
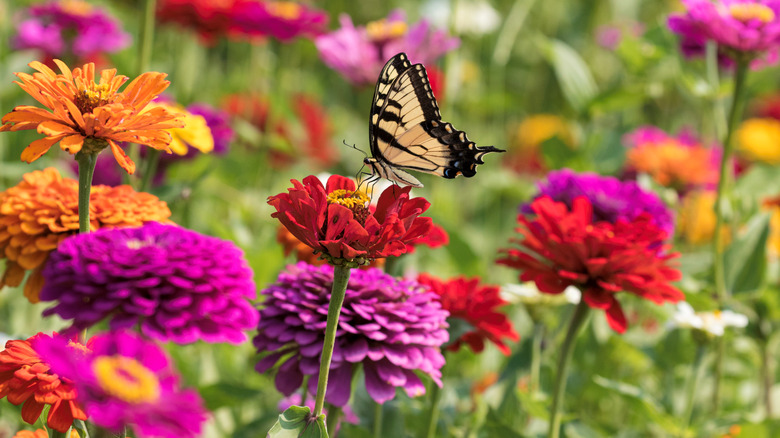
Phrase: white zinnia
(714, 323)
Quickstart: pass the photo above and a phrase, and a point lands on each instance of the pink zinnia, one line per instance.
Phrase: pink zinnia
(745, 29)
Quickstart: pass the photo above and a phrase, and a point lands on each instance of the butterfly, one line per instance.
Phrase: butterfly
(406, 130)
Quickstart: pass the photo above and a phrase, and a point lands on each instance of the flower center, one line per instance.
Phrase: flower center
(353, 200)
(91, 97)
(745, 12)
(284, 10)
(382, 30)
(126, 379)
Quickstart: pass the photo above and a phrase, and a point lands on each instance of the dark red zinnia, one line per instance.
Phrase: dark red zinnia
(336, 221)
(476, 304)
(564, 247)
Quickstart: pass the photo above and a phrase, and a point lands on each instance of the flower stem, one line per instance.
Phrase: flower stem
(57, 434)
(378, 411)
(333, 420)
(693, 381)
(147, 36)
(536, 358)
(86, 163)
(578, 319)
(735, 114)
(150, 168)
(766, 374)
(433, 413)
(340, 281)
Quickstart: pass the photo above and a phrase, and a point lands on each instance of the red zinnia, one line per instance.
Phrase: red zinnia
(24, 378)
(562, 247)
(336, 221)
(476, 304)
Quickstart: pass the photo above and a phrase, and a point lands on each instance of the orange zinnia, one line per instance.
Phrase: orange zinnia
(42, 210)
(88, 115)
(24, 378)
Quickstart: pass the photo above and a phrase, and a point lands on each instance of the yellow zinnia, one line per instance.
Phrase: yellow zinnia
(195, 133)
(759, 140)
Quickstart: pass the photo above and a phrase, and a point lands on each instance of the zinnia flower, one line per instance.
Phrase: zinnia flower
(175, 284)
(125, 380)
(211, 19)
(91, 115)
(564, 247)
(610, 198)
(392, 327)
(335, 219)
(359, 53)
(679, 162)
(741, 28)
(697, 218)
(26, 377)
(42, 210)
(711, 323)
(525, 153)
(70, 28)
(476, 304)
(758, 139)
(282, 20)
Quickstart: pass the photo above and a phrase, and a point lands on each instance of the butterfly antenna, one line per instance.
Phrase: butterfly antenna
(354, 147)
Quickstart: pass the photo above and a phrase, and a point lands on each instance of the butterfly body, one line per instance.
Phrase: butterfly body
(406, 130)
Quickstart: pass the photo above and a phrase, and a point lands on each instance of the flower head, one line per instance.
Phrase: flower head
(42, 210)
(712, 323)
(525, 151)
(610, 198)
(741, 28)
(283, 20)
(125, 380)
(336, 220)
(70, 28)
(27, 378)
(757, 140)
(680, 162)
(392, 327)
(563, 246)
(697, 218)
(475, 304)
(88, 115)
(175, 284)
(359, 53)
(211, 19)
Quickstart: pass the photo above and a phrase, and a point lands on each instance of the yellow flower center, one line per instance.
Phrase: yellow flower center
(91, 97)
(745, 12)
(284, 10)
(76, 7)
(382, 30)
(127, 379)
(356, 201)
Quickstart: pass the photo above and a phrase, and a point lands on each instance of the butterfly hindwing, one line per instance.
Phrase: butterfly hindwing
(407, 132)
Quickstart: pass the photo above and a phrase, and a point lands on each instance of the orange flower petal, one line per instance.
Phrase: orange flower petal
(72, 143)
(122, 158)
(38, 148)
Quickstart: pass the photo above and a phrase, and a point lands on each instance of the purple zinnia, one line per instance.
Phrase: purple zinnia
(359, 53)
(611, 198)
(741, 28)
(392, 327)
(283, 20)
(70, 28)
(124, 380)
(175, 284)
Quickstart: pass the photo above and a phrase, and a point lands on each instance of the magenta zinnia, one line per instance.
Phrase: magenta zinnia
(394, 328)
(175, 284)
(564, 247)
(124, 380)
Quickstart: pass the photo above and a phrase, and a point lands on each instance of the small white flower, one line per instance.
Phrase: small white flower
(714, 323)
(476, 17)
(528, 293)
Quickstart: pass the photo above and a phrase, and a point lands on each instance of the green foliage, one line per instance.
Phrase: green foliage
(298, 422)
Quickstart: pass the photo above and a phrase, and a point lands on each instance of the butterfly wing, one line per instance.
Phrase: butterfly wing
(407, 132)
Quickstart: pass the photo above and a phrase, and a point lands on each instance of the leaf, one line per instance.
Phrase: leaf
(495, 426)
(297, 422)
(745, 258)
(458, 328)
(556, 154)
(574, 77)
(654, 410)
(224, 394)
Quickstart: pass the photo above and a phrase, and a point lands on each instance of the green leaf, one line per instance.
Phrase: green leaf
(495, 426)
(745, 258)
(556, 154)
(655, 412)
(574, 77)
(297, 422)
(224, 394)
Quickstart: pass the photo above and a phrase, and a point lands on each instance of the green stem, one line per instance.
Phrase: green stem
(766, 374)
(333, 420)
(57, 434)
(720, 353)
(378, 411)
(150, 168)
(578, 319)
(536, 358)
(340, 281)
(433, 413)
(735, 114)
(693, 381)
(147, 36)
(86, 163)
